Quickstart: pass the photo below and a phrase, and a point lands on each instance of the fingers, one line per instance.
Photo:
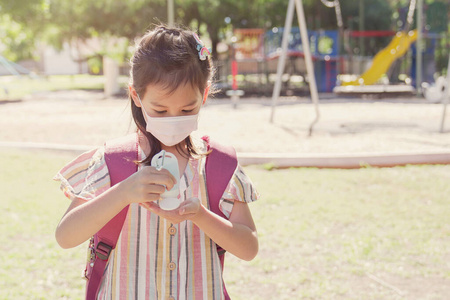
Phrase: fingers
(147, 185)
(154, 189)
(151, 197)
(187, 210)
(160, 177)
(190, 206)
(152, 206)
(149, 192)
(171, 215)
(154, 182)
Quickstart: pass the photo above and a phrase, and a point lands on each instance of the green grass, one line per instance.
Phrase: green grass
(18, 87)
(324, 234)
(349, 234)
(33, 266)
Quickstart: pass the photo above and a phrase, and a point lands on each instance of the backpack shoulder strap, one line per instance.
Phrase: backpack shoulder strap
(220, 166)
(120, 156)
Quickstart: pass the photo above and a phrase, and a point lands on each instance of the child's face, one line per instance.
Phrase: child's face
(185, 100)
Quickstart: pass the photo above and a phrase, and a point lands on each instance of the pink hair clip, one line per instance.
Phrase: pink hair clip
(203, 52)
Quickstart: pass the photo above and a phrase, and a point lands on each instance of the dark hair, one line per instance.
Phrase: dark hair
(167, 56)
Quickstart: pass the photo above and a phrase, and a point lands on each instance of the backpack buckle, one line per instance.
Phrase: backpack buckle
(103, 250)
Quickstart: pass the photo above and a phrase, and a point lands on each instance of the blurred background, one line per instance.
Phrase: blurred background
(47, 38)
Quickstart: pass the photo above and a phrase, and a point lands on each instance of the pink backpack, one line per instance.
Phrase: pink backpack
(120, 155)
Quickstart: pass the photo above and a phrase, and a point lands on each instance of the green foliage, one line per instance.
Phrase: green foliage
(95, 64)
(22, 24)
(17, 40)
(29, 13)
(88, 18)
(377, 14)
(64, 21)
(437, 17)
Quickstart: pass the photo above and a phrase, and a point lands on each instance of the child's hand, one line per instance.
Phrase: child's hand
(146, 185)
(188, 210)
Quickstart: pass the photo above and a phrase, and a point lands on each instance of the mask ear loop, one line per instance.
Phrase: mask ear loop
(139, 98)
(144, 113)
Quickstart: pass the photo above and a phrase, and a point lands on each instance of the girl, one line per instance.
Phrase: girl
(161, 254)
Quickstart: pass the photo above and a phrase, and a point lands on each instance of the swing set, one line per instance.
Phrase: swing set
(381, 63)
(9, 68)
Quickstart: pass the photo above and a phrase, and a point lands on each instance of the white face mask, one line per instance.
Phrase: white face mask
(170, 130)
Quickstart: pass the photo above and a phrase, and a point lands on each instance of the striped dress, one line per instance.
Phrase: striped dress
(155, 259)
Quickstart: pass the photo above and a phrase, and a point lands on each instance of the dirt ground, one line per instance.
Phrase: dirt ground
(396, 125)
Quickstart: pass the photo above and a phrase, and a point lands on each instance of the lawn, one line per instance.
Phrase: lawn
(14, 88)
(324, 234)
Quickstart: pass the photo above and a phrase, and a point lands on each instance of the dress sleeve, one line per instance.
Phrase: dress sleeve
(240, 188)
(85, 177)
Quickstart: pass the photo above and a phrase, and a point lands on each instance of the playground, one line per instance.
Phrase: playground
(353, 175)
(350, 61)
(346, 60)
(348, 126)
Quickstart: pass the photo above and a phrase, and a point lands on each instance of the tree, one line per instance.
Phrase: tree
(105, 20)
(17, 40)
(19, 25)
(64, 21)
(218, 16)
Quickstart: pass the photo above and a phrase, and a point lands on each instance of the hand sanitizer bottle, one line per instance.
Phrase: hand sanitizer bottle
(169, 199)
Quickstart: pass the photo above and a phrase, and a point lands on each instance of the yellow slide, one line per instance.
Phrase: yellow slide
(383, 60)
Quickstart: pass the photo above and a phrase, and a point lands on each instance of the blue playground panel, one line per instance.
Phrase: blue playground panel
(428, 59)
(324, 46)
